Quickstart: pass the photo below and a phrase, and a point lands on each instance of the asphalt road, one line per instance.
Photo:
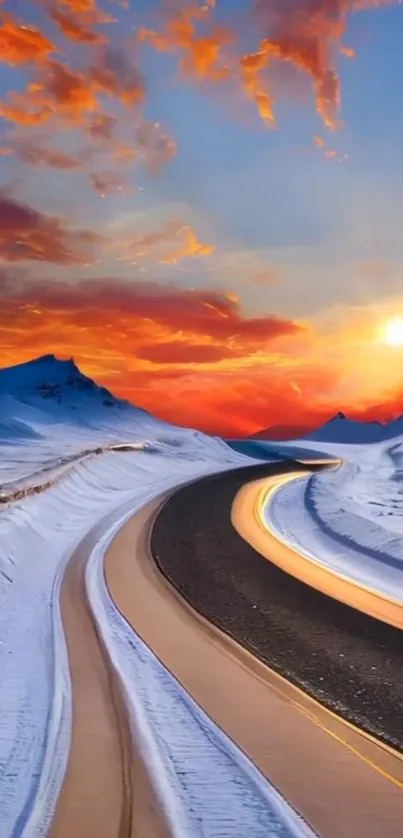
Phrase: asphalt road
(346, 660)
(345, 784)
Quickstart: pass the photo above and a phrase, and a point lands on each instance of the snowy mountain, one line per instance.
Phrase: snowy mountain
(60, 382)
(48, 391)
(342, 429)
(338, 429)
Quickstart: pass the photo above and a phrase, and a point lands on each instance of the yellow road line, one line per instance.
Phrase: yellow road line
(257, 514)
(394, 780)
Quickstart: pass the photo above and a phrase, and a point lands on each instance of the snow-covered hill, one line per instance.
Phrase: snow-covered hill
(50, 413)
(339, 429)
(349, 431)
(38, 534)
(56, 388)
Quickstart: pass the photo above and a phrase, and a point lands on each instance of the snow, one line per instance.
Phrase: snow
(218, 792)
(341, 430)
(349, 519)
(207, 786)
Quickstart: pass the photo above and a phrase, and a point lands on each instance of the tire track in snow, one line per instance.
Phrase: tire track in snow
(107, 791)
(206, 786)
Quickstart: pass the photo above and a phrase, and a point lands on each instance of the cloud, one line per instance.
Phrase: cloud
(79, 6)
(106, 183)
(72, 96)
(226, 373)
(58, 92)
(114, 74)
(22, 44)
(123, 152)
(157, 146)
(140, 338)
(28, 234)
(161, 310)
(304, 34)
(181, 352)
(73, 28)
(168, 245)
(201, 55)
(37, 155)
(102, 126)
(19, 108)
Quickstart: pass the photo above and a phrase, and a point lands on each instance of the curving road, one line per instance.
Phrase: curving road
(344, 783)
(346, 659)
(106, 792)
(247, 516)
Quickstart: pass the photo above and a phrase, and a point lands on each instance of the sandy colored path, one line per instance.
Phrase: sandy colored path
(246, 518)
(106, 792)
(343, 783)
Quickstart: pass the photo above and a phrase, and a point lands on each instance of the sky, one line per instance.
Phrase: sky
(202, 203)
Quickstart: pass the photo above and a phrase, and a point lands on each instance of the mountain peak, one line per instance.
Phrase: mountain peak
(59, 381)
(50, 358)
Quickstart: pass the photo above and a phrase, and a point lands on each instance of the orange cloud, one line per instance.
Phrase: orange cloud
(80, 5)
(114, 74)
(74, 29)
(168, 245)
(183, 352)
(27, 234)
(137, 337)
(158, 311)
(20, 109)
(59, 91)
(224, 372)
(68, 90)
(21, 44)
(201, 54)
(303, 33)
(72, 96)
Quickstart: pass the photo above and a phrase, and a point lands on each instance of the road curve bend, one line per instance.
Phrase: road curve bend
(247, 518)
(344, 784)
(106, 791)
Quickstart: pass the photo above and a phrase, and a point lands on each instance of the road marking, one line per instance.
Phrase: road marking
(259, 501)
(351, 748)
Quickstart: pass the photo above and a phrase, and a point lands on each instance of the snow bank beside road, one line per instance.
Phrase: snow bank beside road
(37, 537)
(349, 519)
(207, 787)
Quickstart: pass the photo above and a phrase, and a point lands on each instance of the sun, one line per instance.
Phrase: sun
(393, 332)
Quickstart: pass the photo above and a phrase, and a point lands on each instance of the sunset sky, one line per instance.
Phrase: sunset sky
(203, 203)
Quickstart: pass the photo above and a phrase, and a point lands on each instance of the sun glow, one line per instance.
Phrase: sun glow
(393, 333)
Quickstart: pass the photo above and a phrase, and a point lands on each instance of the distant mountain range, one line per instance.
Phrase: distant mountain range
(47, 390)
(338, 429)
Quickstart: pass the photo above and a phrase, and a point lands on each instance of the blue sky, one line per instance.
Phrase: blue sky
(253, 277)
(264, 198)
